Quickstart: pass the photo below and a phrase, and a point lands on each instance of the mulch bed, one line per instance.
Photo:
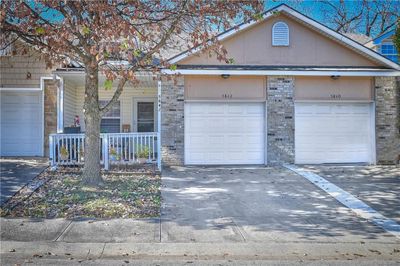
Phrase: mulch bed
(62, 194)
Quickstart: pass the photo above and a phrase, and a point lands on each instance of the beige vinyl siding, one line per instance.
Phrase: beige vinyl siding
(126, 100)
(235, 88)
(307, 48)
(14, 71)
(70, 99)
(326, 88)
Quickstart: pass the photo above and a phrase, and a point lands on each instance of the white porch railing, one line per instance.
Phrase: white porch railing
(115, 148)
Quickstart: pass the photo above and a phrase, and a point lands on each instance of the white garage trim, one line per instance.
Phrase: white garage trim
(218, 133)
(21, 89)
(334, 133)
(326, 73)
(266, 133)
(373, 136)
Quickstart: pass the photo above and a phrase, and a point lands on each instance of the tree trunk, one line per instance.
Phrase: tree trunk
(91, 170)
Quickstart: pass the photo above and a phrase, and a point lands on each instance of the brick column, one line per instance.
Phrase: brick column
(387, 119)
(172, 121)
(280, 120)
(50, 112)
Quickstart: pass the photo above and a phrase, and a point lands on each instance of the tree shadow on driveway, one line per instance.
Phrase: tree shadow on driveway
(376, 185)
(204, 204)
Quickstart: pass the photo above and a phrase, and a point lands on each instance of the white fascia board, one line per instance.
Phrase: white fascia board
(72, 73)
(21, 89)
(283, 73)
(307, 20)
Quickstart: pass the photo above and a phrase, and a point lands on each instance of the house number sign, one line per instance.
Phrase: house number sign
(336, 96)
(227, 96)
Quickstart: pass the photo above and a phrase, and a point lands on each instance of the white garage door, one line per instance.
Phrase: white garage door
(21, 123)
(333, 133)
(224, 133)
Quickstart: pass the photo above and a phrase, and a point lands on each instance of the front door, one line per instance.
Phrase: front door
(145, 115)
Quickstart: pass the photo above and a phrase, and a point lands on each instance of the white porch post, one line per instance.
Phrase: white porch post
(60, 106)
(51, 151)
(105, 152)
(159, 126)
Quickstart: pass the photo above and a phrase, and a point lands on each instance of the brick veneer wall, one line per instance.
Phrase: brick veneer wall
(50, 112)
(387, 119)
(172, 121)
(280, 120)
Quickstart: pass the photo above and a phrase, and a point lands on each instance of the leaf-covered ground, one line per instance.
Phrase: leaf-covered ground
(64, 195)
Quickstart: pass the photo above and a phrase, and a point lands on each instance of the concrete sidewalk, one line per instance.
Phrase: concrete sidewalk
(81, 231)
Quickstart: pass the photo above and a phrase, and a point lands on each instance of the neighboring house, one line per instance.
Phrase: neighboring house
(298, 92)
(358, 37)
(384, 45)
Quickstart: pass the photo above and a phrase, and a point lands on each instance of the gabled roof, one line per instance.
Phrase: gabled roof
(361, 49)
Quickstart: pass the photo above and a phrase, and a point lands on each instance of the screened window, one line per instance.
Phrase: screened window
(389, 51)
(111, 121)
(280, 34)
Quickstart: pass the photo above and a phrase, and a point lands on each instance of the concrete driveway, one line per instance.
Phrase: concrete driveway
(16, 172)
(261, 205)
(376, 185)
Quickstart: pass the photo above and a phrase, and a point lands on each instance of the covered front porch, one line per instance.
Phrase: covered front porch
(129, 131)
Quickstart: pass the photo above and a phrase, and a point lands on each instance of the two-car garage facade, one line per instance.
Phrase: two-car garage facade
(295, 92)
(222, 126)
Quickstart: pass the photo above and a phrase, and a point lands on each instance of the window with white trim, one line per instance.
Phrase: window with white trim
(111, 121)
(280, 34)
(389, 51)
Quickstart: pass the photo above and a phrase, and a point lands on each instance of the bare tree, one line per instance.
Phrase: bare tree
(116, 38)
(369, 17)
(396, 40)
